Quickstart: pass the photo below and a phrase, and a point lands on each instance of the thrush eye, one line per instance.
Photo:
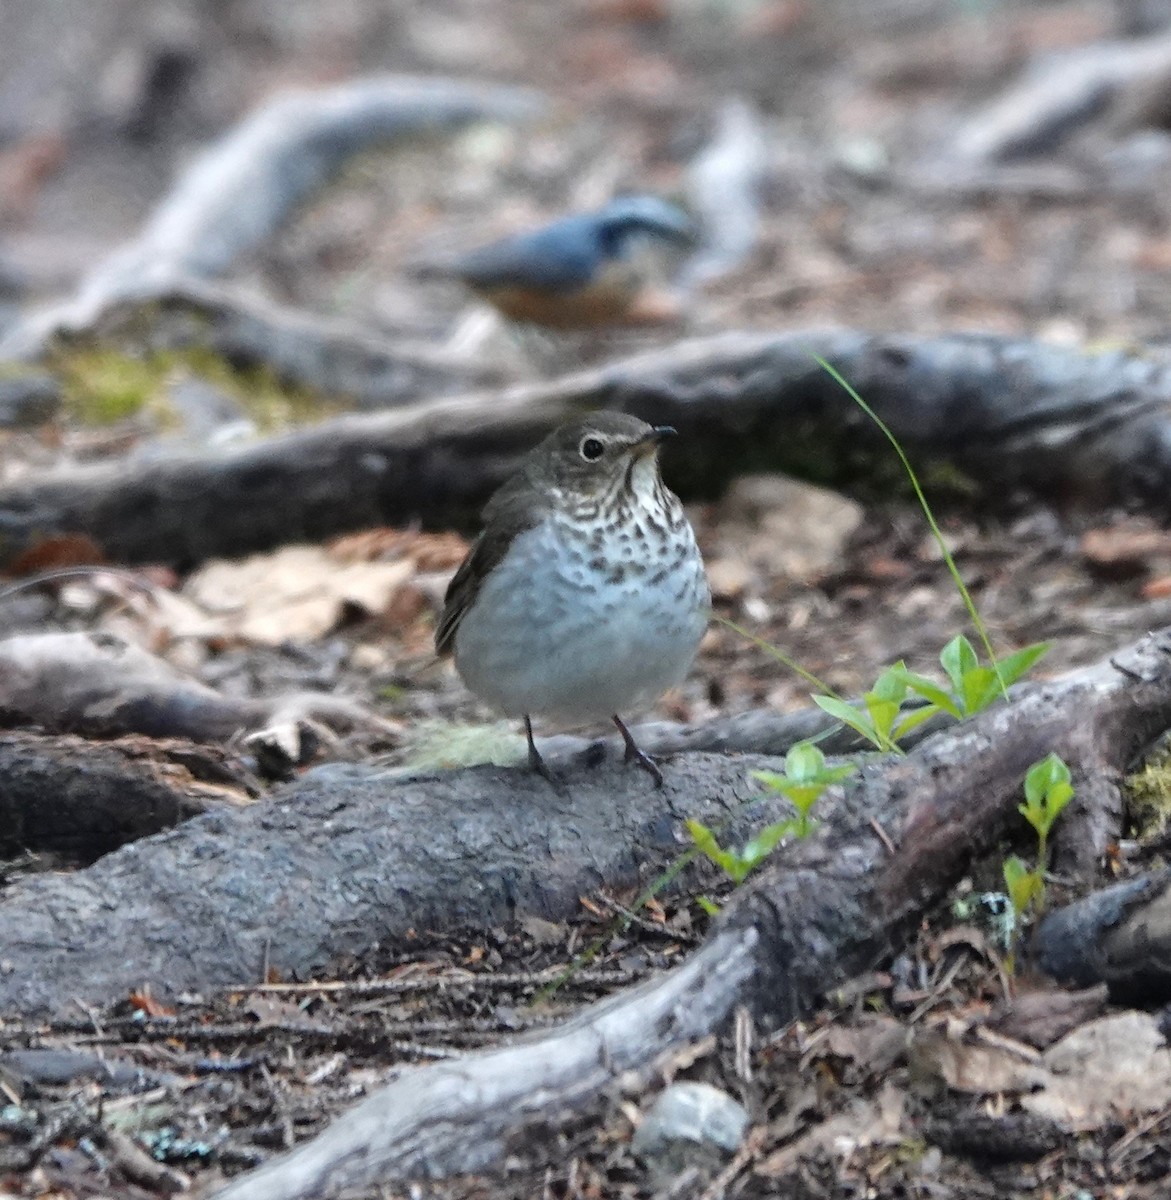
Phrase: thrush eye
(591, 449)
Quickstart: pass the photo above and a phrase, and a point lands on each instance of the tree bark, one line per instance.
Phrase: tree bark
(345, 857)
(83, 799)
(995, 416)
(244, 186)
(203, 904)
(824, 909)
(1120, 936)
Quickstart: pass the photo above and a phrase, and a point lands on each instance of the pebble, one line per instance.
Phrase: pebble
(28, 400)
(690, 1125)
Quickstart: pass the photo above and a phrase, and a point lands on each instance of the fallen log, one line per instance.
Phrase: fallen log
(826, 908)
(244, 186)
(1120, 936)
(325, 356)
(991, 417)
(346, 857)
(1060, 94)
(80, 800)
(100, 685)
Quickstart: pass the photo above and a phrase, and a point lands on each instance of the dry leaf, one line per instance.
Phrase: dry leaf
(143, 1001)
(1105, 1071)
(1041, 1017)
(872, 1042)
(300, 593)
(977, 1070)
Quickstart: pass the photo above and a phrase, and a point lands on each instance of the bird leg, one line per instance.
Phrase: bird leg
(635, 755)
(536, 762)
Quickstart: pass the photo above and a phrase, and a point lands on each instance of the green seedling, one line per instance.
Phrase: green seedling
(973, 686)
(1025, 888)
(879, 718)
(936, 532)
(805, 779)
(1048, 791)
(737, 864)
(1023, 885)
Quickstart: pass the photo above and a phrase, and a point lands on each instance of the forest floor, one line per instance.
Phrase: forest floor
(855, 103)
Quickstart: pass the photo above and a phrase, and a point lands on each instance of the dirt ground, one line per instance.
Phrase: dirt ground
(857, 103)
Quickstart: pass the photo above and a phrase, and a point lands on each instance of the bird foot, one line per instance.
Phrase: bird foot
(648, 764)
(638, 756)
(536, 763)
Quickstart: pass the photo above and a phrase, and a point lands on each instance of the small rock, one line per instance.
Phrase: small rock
(790, 527)
(1125, 549)
(728, 578)
(369, 657)
(207, 414)
(28, 399)
(690, 1125)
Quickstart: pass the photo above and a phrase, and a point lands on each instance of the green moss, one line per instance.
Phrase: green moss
(436, 744)
(1148, 795)
(103, 385)
(855, 459)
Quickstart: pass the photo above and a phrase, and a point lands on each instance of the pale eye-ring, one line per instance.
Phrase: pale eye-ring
(591, 449)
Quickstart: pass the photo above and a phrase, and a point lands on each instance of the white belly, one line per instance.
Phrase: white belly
(559, 630)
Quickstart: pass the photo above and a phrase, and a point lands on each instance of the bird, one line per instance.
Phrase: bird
(585, 593)
(583, 271)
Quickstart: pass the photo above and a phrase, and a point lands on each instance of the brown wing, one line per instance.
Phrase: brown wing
(513, 510)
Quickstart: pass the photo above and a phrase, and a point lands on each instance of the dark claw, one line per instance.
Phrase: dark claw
(536, 762)
(636, 755)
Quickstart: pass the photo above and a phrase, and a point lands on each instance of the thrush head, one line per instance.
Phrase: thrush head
(596, 456)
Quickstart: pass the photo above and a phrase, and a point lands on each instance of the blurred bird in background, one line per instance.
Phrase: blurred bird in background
(585, 271)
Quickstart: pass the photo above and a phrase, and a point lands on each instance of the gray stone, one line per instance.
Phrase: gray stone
(208, 415)
(786, 526)
(690, 1125)
(28, 399)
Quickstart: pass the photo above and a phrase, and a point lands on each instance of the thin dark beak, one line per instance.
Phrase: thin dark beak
(650, 442)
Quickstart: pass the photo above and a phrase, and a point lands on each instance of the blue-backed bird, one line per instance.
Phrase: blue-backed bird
(581, 272)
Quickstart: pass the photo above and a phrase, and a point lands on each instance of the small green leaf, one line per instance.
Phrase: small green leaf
(1059, 796)
(1014, 870)
(980, 687)
(883, 714)
(891, 685)
(1044, 775)
(932, 692)
(913, 720)
(849, 715)
(706, 842)
(709, 906)
(958, 658)
(1013, 666)
(804, 762)
(757, 849)
(773, 780)
(803, 796)
(1023, 886)
(703, 837)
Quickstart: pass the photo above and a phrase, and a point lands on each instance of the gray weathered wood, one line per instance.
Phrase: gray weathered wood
(824, 909)
(999, 415)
